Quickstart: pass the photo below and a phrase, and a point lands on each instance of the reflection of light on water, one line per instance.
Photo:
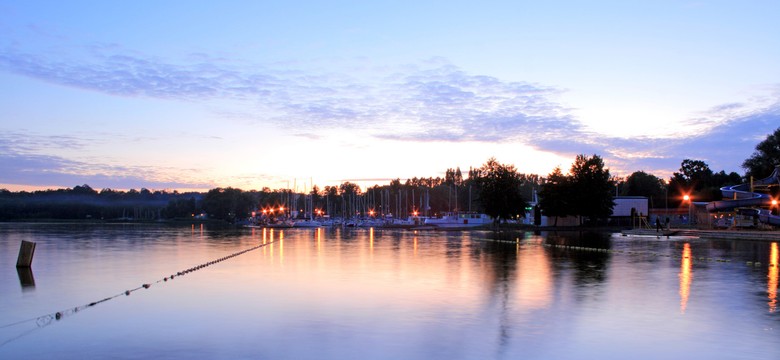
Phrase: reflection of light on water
(319, 240)
(265, 239)
(773, 277)
(534, 283)
(415, 246)
(281, 246)
(686, 276)
(371, 240)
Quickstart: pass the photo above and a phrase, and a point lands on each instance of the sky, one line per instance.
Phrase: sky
(193, 95)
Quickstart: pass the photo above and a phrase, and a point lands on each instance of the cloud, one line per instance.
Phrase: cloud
(23, 164)
(434, 101)
(431, 101)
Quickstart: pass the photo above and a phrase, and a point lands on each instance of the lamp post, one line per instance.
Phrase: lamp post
(687, 198)
(666, 199)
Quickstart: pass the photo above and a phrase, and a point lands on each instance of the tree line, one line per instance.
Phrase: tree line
(586, 190)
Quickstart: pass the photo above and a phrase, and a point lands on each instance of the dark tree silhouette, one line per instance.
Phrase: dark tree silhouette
(500, 193)
(765, 158)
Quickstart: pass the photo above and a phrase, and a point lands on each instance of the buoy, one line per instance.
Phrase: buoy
(146, 286)
(58, 315)
(127, 293)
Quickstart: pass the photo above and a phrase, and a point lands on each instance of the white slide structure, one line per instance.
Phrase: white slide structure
(741, 196)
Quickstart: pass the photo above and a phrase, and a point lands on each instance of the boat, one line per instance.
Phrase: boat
(280, 224)
(306, 223)
(458, 220)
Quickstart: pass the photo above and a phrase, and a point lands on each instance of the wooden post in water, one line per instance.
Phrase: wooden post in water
(26, 252)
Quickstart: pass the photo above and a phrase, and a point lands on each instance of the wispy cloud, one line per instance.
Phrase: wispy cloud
(432, 101)
(22, 162)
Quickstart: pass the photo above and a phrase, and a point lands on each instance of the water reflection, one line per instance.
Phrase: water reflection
(26, 278)
(686, 276)
(362, 293)
(773, 277)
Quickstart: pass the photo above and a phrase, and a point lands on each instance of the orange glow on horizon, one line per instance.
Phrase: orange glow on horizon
(686, 277)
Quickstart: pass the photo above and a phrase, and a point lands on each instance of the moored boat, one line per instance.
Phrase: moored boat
(459, 220)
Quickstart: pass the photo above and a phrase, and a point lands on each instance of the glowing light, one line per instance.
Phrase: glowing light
(686, 197)
(774, 202)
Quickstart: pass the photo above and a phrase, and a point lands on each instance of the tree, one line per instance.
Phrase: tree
(453, 176)
(694, 178)
(227, 204)
(591, 188)
(641, 183)
(694, 174)
(554, 195)
(500, 194)
(349, 188)
(765, 158)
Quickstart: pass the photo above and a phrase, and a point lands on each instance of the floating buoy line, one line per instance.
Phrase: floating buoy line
(625, 252)
(651, 254)
(48, 319)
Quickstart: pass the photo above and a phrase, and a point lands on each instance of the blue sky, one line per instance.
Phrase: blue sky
(196, 94)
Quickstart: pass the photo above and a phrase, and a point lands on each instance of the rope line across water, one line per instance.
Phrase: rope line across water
(48, 319)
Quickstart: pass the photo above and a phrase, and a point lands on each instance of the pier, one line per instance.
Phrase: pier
(708, 234)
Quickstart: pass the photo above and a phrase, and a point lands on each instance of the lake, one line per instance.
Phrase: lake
(382, 294)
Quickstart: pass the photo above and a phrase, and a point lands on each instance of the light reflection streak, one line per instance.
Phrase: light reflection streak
(319, 240)
(415, 246)
(281, 246)
(773, 277)
(265, 239)
(534, 282)
(371, 240)
(686, 276)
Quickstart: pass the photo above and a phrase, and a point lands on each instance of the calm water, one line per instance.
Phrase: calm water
(381, 294)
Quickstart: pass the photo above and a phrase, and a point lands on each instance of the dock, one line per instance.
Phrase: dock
(708, 234)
